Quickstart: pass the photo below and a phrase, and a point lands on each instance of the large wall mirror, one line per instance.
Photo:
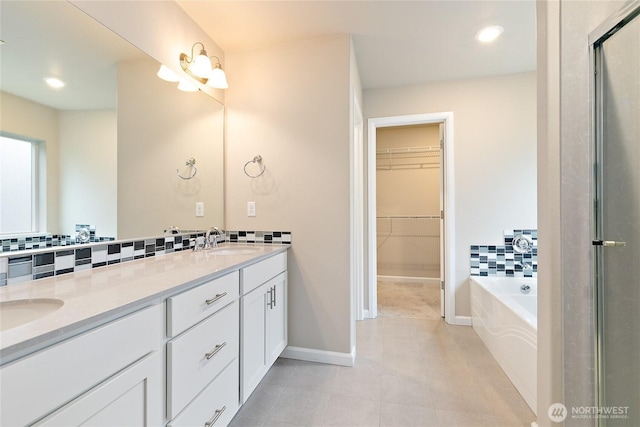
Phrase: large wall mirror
(114, 138)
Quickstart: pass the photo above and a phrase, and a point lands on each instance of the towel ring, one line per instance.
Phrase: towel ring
(190, 162)
(256, 159)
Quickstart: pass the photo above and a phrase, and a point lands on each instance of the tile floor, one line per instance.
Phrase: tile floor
(410, 371)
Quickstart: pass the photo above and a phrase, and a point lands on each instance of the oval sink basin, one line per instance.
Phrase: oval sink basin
(18, 312)
(234, 251)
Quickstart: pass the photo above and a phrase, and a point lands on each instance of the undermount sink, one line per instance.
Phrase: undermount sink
(18, 312)
(234, 251)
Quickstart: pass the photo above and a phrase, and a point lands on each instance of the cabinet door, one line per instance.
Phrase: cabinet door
(130, 398)
(254, 361)
(277, 318)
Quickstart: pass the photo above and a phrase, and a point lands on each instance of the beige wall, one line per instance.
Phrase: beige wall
(159, 128)
(494, 158)
(408, 247)
(23, 117)
(291, 104)
(88, 171)
(565, 304)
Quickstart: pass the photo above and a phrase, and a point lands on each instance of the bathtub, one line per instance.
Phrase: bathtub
(506, 320)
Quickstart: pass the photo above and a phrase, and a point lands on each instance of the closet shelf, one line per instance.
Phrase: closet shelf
(435, 150)
(408, 158)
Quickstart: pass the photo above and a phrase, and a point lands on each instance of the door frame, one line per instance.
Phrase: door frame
(449, 206)
(605, 30)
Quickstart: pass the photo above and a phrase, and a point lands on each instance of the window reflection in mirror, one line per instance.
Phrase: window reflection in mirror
(18, 184)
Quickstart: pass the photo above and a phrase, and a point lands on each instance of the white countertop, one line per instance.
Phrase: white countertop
(96, 296)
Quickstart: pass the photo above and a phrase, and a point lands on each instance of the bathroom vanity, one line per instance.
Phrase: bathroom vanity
(178, 340)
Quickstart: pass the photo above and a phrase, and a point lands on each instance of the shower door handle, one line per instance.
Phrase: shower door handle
(608, 243)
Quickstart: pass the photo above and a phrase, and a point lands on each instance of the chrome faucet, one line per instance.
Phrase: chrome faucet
(524, 265)
(172, 230)
(207, 238)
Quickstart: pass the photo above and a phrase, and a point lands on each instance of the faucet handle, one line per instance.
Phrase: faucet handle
(199, 244)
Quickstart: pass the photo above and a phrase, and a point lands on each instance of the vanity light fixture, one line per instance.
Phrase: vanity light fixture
(54, 82)
(166, 74)
(489, 34)
(199, 67)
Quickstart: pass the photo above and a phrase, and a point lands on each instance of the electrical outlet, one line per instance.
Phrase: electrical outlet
(251, 208)
(199, 208)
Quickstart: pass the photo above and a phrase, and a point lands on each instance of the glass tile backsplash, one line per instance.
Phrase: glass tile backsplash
(504, 261)
(67, 258)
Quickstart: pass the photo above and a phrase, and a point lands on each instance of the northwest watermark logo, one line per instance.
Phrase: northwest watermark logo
(557, 412)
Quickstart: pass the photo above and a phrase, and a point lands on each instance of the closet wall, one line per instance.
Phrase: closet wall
(408, 201)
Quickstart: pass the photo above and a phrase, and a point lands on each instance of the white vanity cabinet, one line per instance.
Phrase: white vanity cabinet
(110, 375)
(202, 354)
(264, 319)
(191, 359)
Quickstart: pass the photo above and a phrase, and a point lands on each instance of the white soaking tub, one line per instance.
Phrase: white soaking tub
(505, 318)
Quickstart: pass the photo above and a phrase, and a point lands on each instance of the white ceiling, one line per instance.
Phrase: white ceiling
(397, 43)
(54, 38)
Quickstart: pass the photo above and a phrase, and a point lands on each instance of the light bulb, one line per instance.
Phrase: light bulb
(489, 34)
(54, 82)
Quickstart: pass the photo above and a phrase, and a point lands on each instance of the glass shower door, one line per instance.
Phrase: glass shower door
(617, 221)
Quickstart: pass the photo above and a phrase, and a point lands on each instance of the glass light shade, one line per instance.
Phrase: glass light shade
(185, 86)
(168, 75)
(201, 65)
(489, 34)
(217, 78)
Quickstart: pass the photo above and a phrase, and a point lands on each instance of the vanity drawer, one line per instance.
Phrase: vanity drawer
(215, 400)
(188, 308)
(197, 356)
(258, 273)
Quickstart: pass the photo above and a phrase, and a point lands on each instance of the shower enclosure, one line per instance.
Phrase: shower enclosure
(615, 48)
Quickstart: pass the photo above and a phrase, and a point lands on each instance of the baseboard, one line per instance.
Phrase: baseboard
(462, 320)
(322, 356)
(407, 279)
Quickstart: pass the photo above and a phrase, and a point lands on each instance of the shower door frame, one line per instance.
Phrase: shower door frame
(598, 36)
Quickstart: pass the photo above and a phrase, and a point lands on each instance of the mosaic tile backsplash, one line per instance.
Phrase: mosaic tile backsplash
(44, 240)
(17, 267)
(503, 261)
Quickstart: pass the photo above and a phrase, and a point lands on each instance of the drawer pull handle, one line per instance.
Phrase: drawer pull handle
(274, 295)
(216, 415)
(215, 351)
(216, 298)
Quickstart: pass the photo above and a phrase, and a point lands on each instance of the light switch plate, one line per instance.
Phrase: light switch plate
(251, 208)
(199, 208)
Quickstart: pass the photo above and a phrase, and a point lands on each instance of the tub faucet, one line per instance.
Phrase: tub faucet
(524, 265)
(207, 238)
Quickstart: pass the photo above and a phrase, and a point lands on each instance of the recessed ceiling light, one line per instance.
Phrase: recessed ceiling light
(489, 34)
(54, 82)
